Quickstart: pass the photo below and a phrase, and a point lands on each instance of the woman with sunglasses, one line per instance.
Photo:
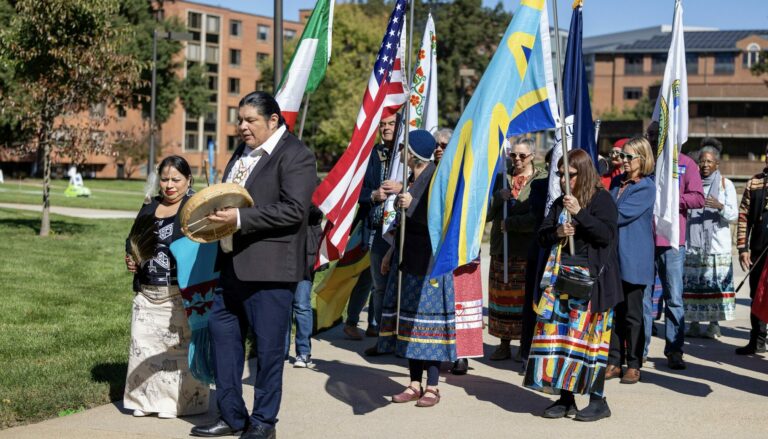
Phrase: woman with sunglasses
(635, 193)
(574, 318)
(505, 309)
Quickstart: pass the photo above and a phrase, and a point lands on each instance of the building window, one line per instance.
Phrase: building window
(261, 58)
(190, 142)
(212, 54)
(232, 142)
(289, 34)
(210, 115)
(193, 52)
(751, 56)
(633, 93)
(194, 20)
(210, 138)
(633, 64)
(263, 32)
(234, 86)
(212, 24)
(234, 57)
(213, 83)
(692, 63)
(724, 64)
(235, 28)
(232, 114)
(658, 63)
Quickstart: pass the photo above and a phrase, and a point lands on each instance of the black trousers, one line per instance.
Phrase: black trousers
(758, 332)
(417, 367)
(628, 337)
(265, 307)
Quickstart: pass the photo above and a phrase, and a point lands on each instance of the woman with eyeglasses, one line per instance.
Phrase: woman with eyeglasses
(505, 308)
(581, 286)
(616, 166)
(635, 194)
(708, 272)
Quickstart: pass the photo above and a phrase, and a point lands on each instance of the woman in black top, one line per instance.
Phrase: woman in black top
(159, 380)
(573, 328)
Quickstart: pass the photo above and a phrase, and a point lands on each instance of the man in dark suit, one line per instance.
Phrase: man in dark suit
(260, 266)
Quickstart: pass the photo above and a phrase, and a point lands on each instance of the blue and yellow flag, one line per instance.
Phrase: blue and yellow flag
(458, 196)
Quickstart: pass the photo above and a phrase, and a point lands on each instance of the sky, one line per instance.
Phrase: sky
(600, 16)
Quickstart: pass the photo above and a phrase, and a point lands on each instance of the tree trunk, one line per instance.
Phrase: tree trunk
(45, 226)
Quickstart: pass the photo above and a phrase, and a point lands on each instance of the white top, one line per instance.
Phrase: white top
(721, 240)
(248, 161)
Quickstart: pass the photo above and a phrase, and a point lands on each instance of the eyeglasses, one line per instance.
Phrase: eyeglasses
(562, 174)
(614, 153)
(707, 162)
(442, 145)
(515, 155)
(628, 157)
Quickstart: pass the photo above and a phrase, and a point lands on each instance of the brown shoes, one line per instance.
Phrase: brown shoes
(612, 372)
(406, 396)
(631, 376)
(429, 401)
(352, 333)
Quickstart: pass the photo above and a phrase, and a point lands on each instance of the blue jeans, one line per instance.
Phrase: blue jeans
(358, 298)
(670, 264)
(647, 316)
(379, 286)
(302, 312)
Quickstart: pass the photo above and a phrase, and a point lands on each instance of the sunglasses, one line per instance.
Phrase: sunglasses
(562, 174)
(628, 157)
(442, 145)
(514, 155)
(614, 153)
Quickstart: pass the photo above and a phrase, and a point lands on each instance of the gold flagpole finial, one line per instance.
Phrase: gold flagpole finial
(577, 3)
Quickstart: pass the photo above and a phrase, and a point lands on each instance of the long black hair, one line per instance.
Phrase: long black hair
(264, 103)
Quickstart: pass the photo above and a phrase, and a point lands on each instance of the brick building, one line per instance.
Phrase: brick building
(725, 100)
(233, 46)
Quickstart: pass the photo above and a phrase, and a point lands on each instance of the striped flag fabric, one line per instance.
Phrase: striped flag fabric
(338, 193)
(422, 112)
(458, 197)
(309, 62)
(672, 114)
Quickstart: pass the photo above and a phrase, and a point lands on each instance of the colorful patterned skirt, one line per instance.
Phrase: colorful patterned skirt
(468, 288)
(427, 319)
(505, 307)
(708, 287)
(657, 300)
(569, 349)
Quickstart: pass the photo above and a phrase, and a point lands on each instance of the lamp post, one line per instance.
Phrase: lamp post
(172, 36)
(278, 44)
(464, 74)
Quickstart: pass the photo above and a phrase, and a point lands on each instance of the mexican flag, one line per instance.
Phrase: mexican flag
(309, 62)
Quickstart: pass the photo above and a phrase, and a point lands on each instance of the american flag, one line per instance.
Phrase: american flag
(338, 194)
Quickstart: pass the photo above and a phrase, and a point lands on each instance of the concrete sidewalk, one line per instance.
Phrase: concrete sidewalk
(77, 212)
(346, 395)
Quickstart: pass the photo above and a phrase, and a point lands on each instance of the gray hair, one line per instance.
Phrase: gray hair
(527, 142)
(712, 150)
(444, 134)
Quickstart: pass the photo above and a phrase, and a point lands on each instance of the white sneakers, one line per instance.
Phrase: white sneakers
(162, 415)
(303, 361)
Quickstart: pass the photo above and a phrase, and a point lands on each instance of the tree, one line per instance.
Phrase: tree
(65, 58)
(194, 92)
(642, 110)
(761, 67)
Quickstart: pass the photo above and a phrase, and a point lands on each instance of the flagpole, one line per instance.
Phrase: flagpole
(561, 108)
(405, 170)
(505, 185)
(303, 116)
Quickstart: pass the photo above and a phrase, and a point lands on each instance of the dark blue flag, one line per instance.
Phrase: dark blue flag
(576, 91)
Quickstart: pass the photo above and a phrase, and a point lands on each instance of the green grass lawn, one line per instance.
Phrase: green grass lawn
(65, 319)
(105, 194)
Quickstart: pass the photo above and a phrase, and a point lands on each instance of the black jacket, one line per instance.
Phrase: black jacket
(596, 225)
(149, 209)
(417, 247)
(271, 245)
